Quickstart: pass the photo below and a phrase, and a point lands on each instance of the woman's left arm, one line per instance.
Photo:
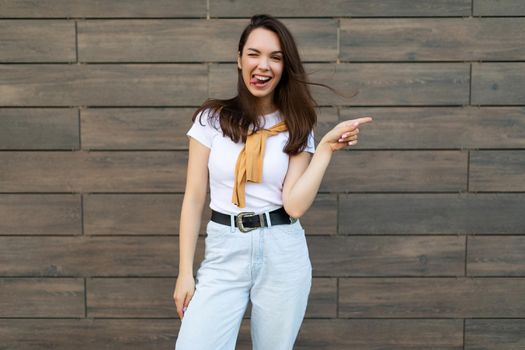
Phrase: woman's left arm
(305, 172)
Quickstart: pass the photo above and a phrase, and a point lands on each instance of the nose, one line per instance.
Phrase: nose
(263, 63)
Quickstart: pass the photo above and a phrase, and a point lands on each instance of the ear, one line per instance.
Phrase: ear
(239, 59)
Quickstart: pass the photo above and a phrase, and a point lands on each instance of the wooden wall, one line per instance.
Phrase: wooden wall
(417, 238)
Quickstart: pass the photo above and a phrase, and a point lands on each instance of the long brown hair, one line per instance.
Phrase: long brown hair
(292, 95)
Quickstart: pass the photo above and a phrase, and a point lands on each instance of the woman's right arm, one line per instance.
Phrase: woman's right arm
(190, 220)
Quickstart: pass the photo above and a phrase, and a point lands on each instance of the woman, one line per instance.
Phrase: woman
(258, 150)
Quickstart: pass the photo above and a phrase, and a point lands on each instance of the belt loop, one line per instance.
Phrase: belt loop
(268, 221)
(232, 223)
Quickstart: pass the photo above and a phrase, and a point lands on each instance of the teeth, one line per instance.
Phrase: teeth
(259, 77)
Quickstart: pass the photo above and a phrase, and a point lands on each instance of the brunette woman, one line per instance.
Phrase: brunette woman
(257, 151)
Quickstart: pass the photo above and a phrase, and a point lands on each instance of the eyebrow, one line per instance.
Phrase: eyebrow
(250, 48)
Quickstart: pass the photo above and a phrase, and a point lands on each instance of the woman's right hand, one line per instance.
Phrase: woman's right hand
(184, 289)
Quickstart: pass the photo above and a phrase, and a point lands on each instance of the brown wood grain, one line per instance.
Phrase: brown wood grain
(37, 41)
(498, 8)
(496, 256)
(502, 171)
(92, 171)
(387, 256)
(39, 129)
(432, 297)
(135, 128)
(439, 127)
(375, 84)
(432, 213)
(498, 83)
(40, 214)
(92, 256)
(393, 171)
(433, 39)
(196, 40)
(494, 334)
(102, 85)
(352, 8)
(41, 297)
(101, 9)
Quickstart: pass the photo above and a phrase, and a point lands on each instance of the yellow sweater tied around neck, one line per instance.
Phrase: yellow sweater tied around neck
(249, 165)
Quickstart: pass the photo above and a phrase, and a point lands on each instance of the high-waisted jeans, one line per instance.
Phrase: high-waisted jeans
(268, 266)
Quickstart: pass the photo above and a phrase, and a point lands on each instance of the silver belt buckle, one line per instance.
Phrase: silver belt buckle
(240, 225)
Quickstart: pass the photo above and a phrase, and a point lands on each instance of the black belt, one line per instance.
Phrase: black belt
(247, 221)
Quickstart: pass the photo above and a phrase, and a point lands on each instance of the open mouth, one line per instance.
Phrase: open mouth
(260, 80)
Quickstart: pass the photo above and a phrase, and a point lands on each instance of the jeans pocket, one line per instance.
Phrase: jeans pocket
(289, 231)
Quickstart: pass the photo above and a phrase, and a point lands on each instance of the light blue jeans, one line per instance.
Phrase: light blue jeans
(268, 266)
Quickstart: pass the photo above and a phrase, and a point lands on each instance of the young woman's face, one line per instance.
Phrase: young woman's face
(261, 63)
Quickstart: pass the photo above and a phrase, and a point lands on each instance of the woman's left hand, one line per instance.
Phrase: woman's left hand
(344, 133)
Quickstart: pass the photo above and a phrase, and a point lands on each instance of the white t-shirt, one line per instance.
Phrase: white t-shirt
(260, 197)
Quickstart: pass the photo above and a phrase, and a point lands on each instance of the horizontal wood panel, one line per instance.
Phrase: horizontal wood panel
(175, 40)
(386, 171)
(153, 297)
(387, 256)
(102, 85)
(498, 83)
(433, 39)
(41, 297)
(496, 256)
(138, 334)
(432, 297)
(89, 334)
(93, 171)
(433, 213)
(497, 171)
(37, 41)
(374, 83)
(135, 128)
(40, 214)
(495, 334)
(443, 128)
(121, 8)
(498, 8)
(84, 256)
(38, 129)
(352, 8)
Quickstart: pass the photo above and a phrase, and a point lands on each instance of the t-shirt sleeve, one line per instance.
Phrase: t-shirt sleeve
(310, 146)
(202, 133)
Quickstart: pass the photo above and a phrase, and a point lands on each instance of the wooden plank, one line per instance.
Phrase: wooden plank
(174, 40)
(37, 41)
(494, 334)
(92, 171)
(497, 171)
(443, 128)
(102, 85)
(376, 83)
(433, 213)
(387, 171)
(140, 129)
(34, 128)
(432, 297)
(433, 39)
(496, 256)
(338, 8)
(139, 297)
(40, 214)
(387, 256)
(321, 218)
(498, 83)
(41, 297)
(88, 334)
(101, 9)
(498, 8)
(83, 256)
